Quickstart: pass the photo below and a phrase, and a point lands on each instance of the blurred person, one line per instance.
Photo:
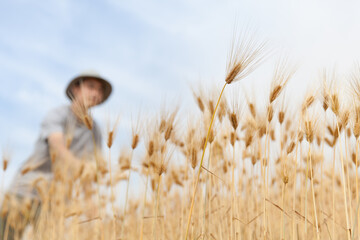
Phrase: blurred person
(68, 136)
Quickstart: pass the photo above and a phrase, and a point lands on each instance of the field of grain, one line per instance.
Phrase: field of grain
(237, 169)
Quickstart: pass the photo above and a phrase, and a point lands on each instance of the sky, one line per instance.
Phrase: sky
(153, 52)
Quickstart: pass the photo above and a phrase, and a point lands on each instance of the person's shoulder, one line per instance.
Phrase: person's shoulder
(96, 125)
(58, 112)
(62, 109)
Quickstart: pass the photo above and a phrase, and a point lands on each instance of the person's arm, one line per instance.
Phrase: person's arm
(63, 156)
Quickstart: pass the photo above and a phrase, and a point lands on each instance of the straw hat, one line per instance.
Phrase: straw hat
(89, 74)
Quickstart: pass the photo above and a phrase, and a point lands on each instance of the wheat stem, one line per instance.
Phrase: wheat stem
(232, 194)
(144, 205)
(333, 195)
(156, 208)
(356, 178)
(127, 190)
(98, 184)
(201, 162)
(348, 228)
(112, 195)
(313, 194)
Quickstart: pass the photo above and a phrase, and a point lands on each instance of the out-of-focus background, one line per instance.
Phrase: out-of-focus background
(153, 52)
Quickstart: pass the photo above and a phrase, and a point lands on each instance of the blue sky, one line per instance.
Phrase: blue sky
(152, 51)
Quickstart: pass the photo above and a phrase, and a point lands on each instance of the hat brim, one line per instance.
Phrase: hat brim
(106, 90)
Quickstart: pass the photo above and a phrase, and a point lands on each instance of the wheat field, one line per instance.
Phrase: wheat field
(236, 169)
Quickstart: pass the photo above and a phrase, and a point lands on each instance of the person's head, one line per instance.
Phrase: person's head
(89, 88)
(90, 91)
